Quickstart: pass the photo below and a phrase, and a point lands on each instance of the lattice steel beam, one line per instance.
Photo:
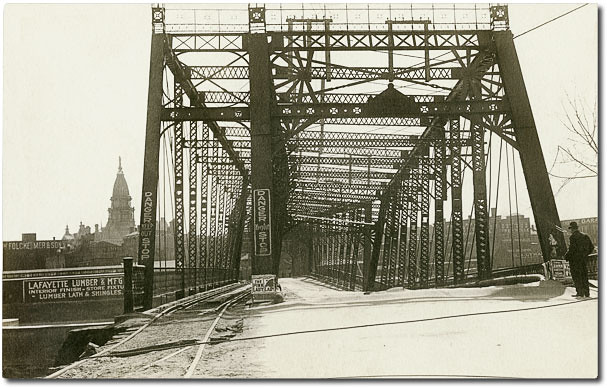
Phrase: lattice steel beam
(337, 41)
(334, 196)
(403, 227)
(457, 229)
(334, 173)
(234, 97)
(439, 196)
(204, 213)
(378, 162)
(424, 207)
(413, 199)
(178, 195)
(193, 212)
(336, 187)
(320, 72)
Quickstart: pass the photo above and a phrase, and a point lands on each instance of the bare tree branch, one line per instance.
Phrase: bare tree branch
(583, 149)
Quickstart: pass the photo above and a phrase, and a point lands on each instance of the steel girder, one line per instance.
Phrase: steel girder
(332, 196)
(370, 161)
(290, 98)
(336, 146)
(337, 41)
(320, 72)
(338, 111)
(308, 172)
(337, 187)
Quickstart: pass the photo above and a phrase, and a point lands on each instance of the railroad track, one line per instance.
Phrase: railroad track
(225, 297)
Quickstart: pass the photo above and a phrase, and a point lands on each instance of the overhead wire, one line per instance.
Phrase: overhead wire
(497, 193)
(510, 206)
(550, 21)
(518, 218)
(341, 328)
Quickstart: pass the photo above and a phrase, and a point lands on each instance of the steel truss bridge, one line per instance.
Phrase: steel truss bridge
(350, 127)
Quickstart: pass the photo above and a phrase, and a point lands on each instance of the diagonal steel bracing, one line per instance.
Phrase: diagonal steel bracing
(311, 132)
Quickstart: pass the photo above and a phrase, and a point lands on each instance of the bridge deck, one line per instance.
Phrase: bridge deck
(526, 343)
(319, 332)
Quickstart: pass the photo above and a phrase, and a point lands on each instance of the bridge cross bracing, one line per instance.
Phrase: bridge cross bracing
(351, 125)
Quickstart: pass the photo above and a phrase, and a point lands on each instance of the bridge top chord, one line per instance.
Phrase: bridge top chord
(293, 17)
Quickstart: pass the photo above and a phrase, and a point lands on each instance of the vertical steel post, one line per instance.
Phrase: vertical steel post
(481, 213)
(178, 196)
(412, 247)
(222, 230)
(393, 238)
(424, 234)
(217, 223)
(193, 209)
(404, 220)
(390, 51)
(262, 131)
(204, 197)
(385, 255)
(334, 250)
(439, 195)
(367, 244)
(149, 190)
(457, 228)
(378, 235)
(355, 233)
(213, 220)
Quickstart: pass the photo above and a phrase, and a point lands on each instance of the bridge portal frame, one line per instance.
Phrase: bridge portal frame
(277, 119)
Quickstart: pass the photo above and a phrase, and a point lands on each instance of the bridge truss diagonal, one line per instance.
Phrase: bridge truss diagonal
(370, 139)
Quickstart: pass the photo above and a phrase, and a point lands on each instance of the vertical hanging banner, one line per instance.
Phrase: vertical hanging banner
(262, 222)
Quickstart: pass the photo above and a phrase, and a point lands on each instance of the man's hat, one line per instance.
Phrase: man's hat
(573, 225)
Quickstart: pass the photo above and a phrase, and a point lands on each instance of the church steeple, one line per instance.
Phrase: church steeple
(121, 189)
(121, 218)
(67, 235)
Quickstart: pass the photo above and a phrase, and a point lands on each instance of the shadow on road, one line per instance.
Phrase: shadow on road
(546, 289)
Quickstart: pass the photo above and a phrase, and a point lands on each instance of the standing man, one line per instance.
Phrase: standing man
(580, 246)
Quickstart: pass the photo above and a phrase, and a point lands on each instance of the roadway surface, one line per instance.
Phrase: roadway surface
(536, 330)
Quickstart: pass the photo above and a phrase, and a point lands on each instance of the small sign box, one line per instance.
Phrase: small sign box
(263, 288)
(560, 270)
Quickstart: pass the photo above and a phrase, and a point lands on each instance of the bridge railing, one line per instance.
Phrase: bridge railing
(339, 245)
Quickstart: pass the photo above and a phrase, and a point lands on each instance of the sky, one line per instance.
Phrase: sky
(75, 92)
